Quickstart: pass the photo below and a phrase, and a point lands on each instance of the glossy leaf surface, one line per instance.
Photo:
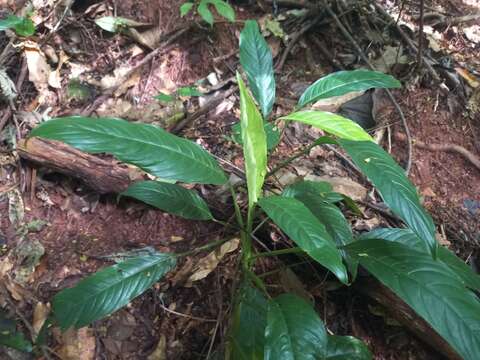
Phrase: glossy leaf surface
(394, 187)
(320, 189)
(249, 320)
(257, 62)
(408, 238)
(346, 348)
(148, 147)
(331, 123)
(303, 228)
(429, 287)
(171, 198)
(343, 82)
(109, 289)
(254, 143)
(294, 330)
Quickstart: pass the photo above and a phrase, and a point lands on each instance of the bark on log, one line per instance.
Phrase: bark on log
(401, 312)
(101, 175)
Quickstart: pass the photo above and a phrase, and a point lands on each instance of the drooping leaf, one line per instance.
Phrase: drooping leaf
(171, 198)
(330, 123)
(257, 62)
(303, 228)
(224, 9)
(205, 12)
(429, 287)
(271, 132)
(394, 187)
(294, 330)
(114, 24)
(346, 348)
(23, 26)
(186, 8)
(9, 336)
(188, 91)
(109, 289)
(164, 97)
(321, 189)
(408, 238)
(148, 147)
(254, 144)
(246, 337)
(343, 82)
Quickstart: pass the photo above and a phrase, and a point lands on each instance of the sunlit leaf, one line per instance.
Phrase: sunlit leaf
(271, 132)
(186, 8)
(205, 12)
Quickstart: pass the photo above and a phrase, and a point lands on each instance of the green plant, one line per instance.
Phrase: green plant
(429, 278)
(202, 7)
(185, 91)
(22, 26)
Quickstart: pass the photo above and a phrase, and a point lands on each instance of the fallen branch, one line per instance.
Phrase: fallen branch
(467, 155)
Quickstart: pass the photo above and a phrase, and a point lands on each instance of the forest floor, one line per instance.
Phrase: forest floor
(184, 319)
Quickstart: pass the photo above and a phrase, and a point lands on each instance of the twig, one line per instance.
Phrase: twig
(420, 36)
(185, 315)
(474, 160)
(389, 93)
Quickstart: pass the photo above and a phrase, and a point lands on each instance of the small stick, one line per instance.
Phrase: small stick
(420, 37)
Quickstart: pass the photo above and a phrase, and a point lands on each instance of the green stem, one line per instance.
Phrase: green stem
(238, 213)
(294, 250)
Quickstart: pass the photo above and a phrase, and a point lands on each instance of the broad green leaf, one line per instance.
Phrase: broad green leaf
(321, 189)
(9, 22)
(331, 123)
(186, 8)
(246, 336)
(187, 91)
(346, 348)
(205, 12)
(148, 147)
(114, 24)
(429, 287)
(9, 336)
(254, 144)
(271, 132)
(394, 187)
(224, 9)
(294, 330)
(257, 62)
(303, 228)
(109, 289)
(171, 198)
(408, 238)
(23, 26)
(343, 82)
(164, 97)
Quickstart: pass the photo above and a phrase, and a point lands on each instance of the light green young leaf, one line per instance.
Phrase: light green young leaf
(171, 198)
(343, 82)
(205, 12)
(254, 144)
(271, 132)
(429, 287)
(164, 97)
(186, 8)
(23, 26)
(331, 123)
(114, 24)
(294, 330)
(246, 336)
(109, 289)
(394, 187)
(224, 9)
(256, 59)
(148, 147)
(303, 228)
(408, 238)
(188, 91)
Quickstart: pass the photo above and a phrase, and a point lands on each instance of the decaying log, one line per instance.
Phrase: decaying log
(401, 312)
(101, 175)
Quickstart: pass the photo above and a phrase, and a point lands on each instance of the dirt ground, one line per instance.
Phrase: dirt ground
(178, 319)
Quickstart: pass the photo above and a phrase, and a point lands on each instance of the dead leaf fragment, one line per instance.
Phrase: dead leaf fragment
(38, 68)
(77, 344)
(342, 185)
(40, 314)
(160, 351)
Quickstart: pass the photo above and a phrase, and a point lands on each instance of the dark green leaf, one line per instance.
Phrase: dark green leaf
(429, 287)
(330, 123)
(294, 330)
(9, 336)
(186, 8)
(394, 187)
(321, 189)
(164, 97)
(271, 132)
(224, 9)
(346, 348)
(256, 60)
(254, 144)
(188, 91)
(109, 289)
(170, 198)
(343, 82)
(297, 221)
(205, 12)
(148, 147)
(246, 340)
(408, 238)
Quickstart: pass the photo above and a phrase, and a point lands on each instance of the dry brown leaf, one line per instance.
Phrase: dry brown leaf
(77, 344)
(210, 262)
(40, 314)
(342, 185)
(38, 68)
(160, 350)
